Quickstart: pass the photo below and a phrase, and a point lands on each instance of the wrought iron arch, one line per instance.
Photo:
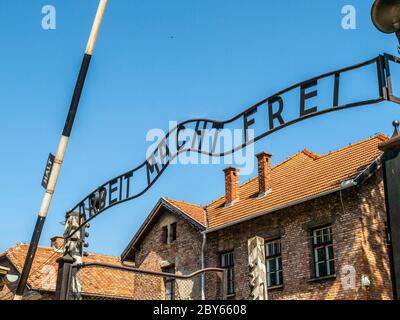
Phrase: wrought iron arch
(119, 189)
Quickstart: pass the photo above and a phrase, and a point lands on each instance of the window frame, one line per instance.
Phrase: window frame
(169, 233)
(230, 267)
(169, 282)
(164, 235)
(322, 267)
(172, 232)
(277, 259)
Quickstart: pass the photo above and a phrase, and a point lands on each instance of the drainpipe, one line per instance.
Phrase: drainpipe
(203, 257)
(202, 266)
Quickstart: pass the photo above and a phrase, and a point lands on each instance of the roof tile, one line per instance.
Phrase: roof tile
(303, 175)
(194, 211)
(95, 281)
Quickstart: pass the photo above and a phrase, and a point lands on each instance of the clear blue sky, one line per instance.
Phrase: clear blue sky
(157, 61)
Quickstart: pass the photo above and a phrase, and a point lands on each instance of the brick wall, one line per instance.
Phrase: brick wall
(358, 240)
(375, 252)
(184, 253)
(357, 216)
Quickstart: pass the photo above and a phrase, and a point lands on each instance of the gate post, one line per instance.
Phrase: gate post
(64, 277)
(391, 178)
(68, 283)
(257, 268)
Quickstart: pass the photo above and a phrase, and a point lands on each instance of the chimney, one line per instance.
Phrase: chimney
(264, 173)
(57, 242)
(231, 186)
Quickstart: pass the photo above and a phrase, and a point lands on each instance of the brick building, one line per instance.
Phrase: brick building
(322, 218)
(97, 283)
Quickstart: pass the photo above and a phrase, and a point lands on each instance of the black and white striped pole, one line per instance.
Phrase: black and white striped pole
(58, 159)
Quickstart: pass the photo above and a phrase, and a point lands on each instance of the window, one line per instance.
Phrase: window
(165, 234)
(173, 232)
(169, 233)
(324, 264)
(169, 284)
(227, 262)
(273, 262)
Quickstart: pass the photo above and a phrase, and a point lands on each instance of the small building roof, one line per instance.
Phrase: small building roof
(96, 281)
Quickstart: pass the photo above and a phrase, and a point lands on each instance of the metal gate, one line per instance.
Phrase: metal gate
(124, 282)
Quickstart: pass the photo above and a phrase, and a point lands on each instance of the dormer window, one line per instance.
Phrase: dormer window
(169, 233)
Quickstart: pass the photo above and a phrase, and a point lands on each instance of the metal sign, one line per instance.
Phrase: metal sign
(265, 117)
(47, 170)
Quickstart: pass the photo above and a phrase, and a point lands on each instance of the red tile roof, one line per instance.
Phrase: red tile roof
(95, 281)
(303, 175)
(300, 177)
(194, 211)
(195, 214)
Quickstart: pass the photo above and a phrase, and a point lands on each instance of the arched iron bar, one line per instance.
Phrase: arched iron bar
(385, 94)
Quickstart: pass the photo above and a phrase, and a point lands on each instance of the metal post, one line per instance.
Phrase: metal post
(391, 178)
(60, 152)
(64, 277)
(68, 282)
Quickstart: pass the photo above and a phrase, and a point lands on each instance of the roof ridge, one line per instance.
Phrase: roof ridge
(290, 158)
(311, 154)
(184, 211)
(379, 136)
(382, 136)
(103, 255)
(18, 245)
(192, 204)
(12, 249)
